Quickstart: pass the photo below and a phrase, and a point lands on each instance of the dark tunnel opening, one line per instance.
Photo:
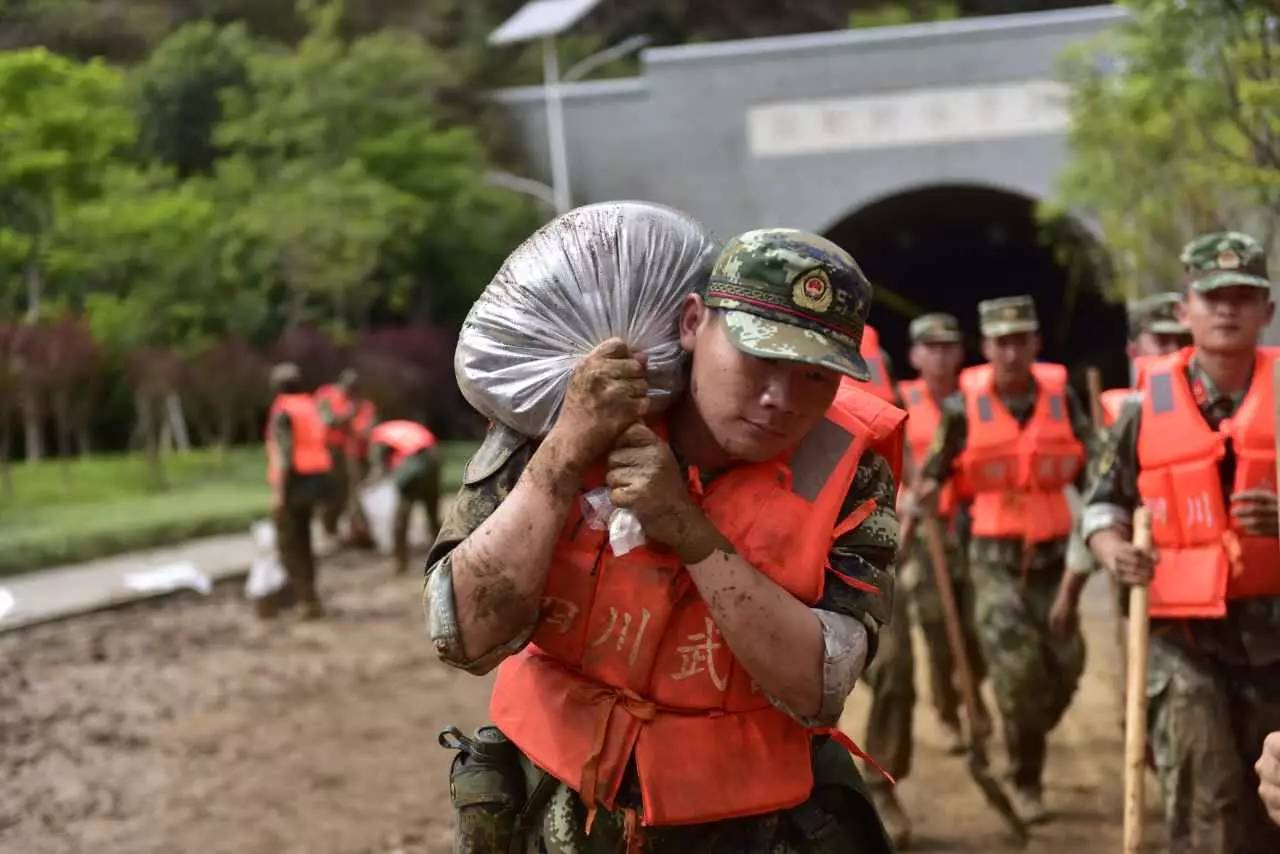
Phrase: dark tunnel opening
(945, 248)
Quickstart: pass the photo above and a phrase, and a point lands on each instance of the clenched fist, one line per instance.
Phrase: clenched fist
(607, 393)
(1129, 565)
(645, 478)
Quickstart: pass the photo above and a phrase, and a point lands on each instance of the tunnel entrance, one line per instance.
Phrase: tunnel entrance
(945, 248)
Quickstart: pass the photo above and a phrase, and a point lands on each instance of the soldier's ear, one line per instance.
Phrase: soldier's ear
(693, 315)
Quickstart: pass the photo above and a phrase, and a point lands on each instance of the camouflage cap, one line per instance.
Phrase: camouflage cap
(1007, 316)
(284, 372)
(935, 328)
(788, 294)
(1156, 314)
(1223, 259)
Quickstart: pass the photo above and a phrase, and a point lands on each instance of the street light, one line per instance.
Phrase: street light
(546, 19)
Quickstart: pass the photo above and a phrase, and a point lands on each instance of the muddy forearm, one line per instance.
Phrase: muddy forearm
(775, 636)
(500, 569)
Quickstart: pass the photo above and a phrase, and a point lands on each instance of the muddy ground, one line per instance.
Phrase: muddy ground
(185, 725)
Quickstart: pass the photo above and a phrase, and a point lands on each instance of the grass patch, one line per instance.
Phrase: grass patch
(104, 505)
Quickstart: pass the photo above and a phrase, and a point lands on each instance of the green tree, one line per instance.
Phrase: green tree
(1175, 129)
(179, 89)
(63, 123)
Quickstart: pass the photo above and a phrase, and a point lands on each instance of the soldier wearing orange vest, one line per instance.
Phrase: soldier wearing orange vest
(1198, 448)
(298, 468)
(680, 697)
(1154, 330)
(406, 452)
(349, 418)
(936, 353)
(1017, 435)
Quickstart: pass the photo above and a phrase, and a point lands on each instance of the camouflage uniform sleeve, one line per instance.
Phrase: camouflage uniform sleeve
(326, 412)
(1082, 427)
(953, 431)
(490, 476)
(1112, 494)
(860, 576)
(282, 432)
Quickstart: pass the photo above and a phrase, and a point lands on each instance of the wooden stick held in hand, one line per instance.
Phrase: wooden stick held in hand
(1135, 716)
(1094, 380)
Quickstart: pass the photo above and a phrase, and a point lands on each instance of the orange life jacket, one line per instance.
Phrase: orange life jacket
(1018, 473)
(626, 662)
(1204, 560)
(924, 416)
(1112, 402)
(361, 424)
(341, 406)
(310, 454)
(884, 420)
(880, 384)
(404, 438)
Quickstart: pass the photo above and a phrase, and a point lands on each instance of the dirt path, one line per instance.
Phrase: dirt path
(185, 725)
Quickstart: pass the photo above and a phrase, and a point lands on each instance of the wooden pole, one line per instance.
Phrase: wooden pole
(1135, 729)
(1094, 380)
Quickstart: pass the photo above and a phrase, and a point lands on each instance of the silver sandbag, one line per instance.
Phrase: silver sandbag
(604, 270)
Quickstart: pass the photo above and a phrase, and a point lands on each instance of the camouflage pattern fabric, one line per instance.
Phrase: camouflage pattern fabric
(936, 328)
(1205, 723)
(1213, 686)
(918, 575)
(419, 480)
(1007, 316)
(1033, 672)
(839, 816)
(339, 492)
(1156, 314)
(892, 679)
(789, 294)
(1223, 259)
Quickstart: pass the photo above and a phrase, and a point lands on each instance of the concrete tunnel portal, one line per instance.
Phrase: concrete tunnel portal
(947, 247)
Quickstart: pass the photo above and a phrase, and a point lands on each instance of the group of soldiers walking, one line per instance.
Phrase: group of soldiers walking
(321, 448)
(1205, 463)
(684, 696)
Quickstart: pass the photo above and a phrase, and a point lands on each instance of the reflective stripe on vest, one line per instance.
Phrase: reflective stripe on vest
(627, 663)
(879, 384)
(1018, 473)
(404, 438)
(1204, 561)
(310, 454)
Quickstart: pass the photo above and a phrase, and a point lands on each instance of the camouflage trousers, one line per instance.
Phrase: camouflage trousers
(339, 490)
(838, 818)
(891, 678)
(1206, 724)
(1033, 672)
(943, 685)
(421, 486)
(293, 544)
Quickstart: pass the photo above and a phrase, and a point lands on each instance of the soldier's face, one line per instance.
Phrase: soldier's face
(1011, 356)
(937, 360)
(754, 408)
(1229, 319)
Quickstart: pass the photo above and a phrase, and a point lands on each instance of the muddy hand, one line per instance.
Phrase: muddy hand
(1255, 511)
(645, 478)
(1062, 617)
(607, 393)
